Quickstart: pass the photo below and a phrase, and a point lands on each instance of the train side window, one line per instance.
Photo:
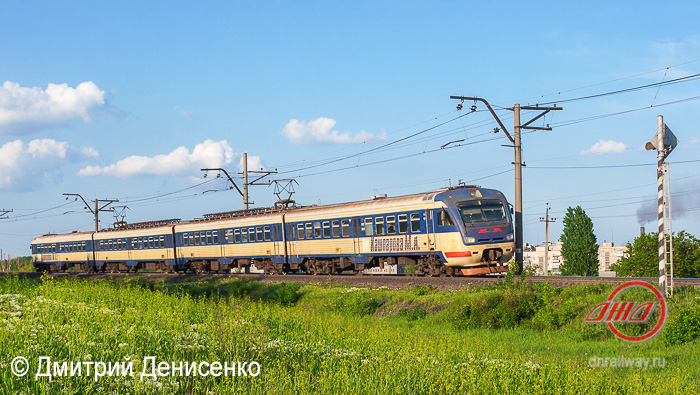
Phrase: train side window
(326, 229)
(300, 231)
(215, 236)
(336, 228)
(415, 222)
(345, 225)
(444, 218)
(267, 233)
(135, 243)
(209, 240)
(309, 231)
(196, 238)
(162, 242)
(150, 242)
(237, 235)
(390, 224)
(229, 236)
(403, 223)
(369, 226)
(379, 222)
(251, 235)
(244, 235)
(259, 234)
(317, 230)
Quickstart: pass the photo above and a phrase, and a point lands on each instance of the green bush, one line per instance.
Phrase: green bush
(360, 304)
(496, 309)
(412, 314)
(683, 327)
(424, 289)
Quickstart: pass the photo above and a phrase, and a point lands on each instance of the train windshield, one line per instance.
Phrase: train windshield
(478, 212)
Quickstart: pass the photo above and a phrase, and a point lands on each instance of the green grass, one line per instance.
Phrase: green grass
(329, 339)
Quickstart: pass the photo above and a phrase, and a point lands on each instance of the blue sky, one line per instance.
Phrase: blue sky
(128, 100)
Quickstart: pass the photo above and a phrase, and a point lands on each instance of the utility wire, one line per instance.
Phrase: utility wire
(633, 89)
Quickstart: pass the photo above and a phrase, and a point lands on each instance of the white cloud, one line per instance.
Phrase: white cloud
(605, 147)
(25, 110)
(187, 114)
(692, 143)
(254, 163)
(209, 153)
(321, 131)
(28, 166)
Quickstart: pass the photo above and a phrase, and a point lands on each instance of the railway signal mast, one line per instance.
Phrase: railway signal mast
(515, 139)
(664, 141)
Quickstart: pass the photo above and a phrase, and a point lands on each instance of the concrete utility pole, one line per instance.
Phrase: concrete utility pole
(245, 181)
(97, 209)
(517, 127)
(546, 220)
(245, 173)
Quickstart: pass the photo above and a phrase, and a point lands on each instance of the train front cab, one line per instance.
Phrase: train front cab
(485, 242)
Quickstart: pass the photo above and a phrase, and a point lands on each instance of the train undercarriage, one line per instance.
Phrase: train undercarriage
(428, 265)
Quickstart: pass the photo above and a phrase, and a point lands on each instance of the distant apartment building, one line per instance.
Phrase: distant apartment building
(533, 256)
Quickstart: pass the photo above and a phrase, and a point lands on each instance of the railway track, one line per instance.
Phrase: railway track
(367, 280)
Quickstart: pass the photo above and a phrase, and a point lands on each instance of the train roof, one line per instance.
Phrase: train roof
(377, 202)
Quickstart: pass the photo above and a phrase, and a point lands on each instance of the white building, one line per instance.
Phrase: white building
(608, 254)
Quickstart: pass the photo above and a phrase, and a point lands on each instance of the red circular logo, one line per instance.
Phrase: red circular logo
(613, 311)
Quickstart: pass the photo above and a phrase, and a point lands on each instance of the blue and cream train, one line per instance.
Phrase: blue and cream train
(465, 230)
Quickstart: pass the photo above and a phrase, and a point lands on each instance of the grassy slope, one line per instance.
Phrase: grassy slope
(319, 339)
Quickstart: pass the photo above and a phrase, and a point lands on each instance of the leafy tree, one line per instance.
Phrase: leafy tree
(579, 249)
(642, 257)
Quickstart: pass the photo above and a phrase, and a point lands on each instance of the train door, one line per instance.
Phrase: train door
(430, 228)
(129, 253)
(356, 233)
(278, 244)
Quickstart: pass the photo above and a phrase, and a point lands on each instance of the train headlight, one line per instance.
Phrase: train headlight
(510, 236)
(471, 240)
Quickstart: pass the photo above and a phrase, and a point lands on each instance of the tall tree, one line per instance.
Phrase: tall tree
(579, 249)
(642, 257)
